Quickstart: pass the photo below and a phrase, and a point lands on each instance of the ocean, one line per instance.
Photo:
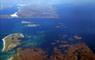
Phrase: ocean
(73, 20)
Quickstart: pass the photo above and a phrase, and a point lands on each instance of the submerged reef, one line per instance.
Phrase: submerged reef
(73, 52)
(61, 49)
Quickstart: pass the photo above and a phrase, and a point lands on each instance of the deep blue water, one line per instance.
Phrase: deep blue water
(77, 20)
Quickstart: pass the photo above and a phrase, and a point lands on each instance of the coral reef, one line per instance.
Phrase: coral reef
(74, 52)
(61, 50)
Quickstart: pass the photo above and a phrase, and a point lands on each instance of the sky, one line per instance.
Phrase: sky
(10, 3)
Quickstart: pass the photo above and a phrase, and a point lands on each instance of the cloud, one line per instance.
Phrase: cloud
(14, 15)
(29, 24)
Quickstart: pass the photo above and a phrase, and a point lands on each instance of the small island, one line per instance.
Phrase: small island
(11, 41)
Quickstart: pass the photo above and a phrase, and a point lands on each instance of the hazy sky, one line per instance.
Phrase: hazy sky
(9, 3)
